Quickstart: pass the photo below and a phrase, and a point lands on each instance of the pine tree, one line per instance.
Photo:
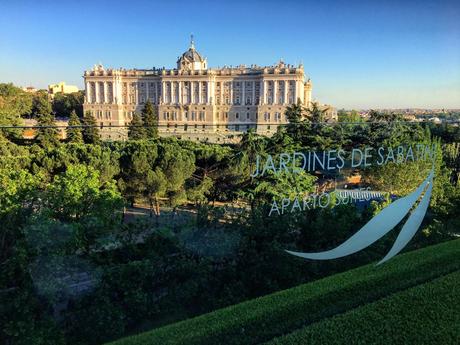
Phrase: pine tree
(316, 114)
(41, 104)
(74, 132)
(47, 133)
(136, 130)
(150, 121)
(296, 126)
(90, 131)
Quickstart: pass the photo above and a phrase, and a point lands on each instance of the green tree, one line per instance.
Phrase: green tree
(150, 119)
(136, 160)
(316, 114)
(155, 188)
(90, 130)
(14, 103)
(74, 131)
(78, 193)
(136, 130)
(349, 116)
(64, 104)
(41, 104)
(296, 126)
(47, 132)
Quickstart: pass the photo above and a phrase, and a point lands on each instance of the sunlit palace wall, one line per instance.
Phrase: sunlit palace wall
(196, 102)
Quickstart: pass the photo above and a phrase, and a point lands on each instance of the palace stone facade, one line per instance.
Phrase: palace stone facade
(196, 102)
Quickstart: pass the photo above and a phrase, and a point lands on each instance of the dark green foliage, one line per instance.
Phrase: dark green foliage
(136, 130)
(90, 129)
(14, 103)
(74, 131)
(47, 133)
(263, 318)
(425, 314)
(61, 201)
(150, 119)
(65, 104)
(41, 104)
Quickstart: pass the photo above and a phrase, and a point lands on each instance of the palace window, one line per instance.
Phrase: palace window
(237, 115)
(237, 127)
(164, 115)
(193, 116)
(247, 116)
(186, 115)
(201, 115)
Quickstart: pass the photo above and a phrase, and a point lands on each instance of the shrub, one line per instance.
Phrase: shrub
(425, 314)
(263, 318)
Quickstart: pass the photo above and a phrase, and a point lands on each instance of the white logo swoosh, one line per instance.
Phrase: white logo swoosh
(381, 224)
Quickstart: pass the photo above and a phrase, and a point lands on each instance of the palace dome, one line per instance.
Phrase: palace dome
(191, 59)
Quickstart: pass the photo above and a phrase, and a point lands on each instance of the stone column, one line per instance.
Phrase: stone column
(275, 94)
(88, 92)
(231, 92)
(106, 99)
(295, 91)
(163, 96)
(180, 93)
(221, 92)
(286, 85)
(96, 89)
(243, 95)
(211, 90)
(118, 91)
(147, 91)
(253, 93)
(264, 92)
(173, 93)
(199, 93)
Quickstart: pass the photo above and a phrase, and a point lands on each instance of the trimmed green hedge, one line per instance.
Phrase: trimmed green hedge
(263, 318)
(425, 314)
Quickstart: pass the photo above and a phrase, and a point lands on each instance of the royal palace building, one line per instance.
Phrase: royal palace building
(194, 101)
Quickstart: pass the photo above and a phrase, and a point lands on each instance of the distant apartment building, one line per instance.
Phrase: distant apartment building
(29, 89)
(196, 102)
(62, 88)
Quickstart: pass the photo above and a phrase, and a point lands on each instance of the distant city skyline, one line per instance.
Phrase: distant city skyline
(359, 55)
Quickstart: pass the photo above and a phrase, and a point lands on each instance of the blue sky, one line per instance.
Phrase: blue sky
(359, 54)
